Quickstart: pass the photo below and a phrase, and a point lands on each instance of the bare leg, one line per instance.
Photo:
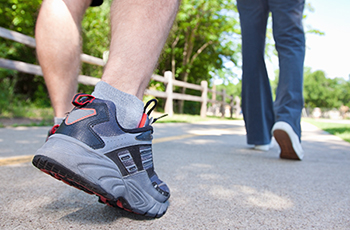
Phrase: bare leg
(139, 31)
(58, 48)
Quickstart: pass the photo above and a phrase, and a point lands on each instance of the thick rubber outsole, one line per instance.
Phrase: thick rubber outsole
(59, 172)
(287, 150)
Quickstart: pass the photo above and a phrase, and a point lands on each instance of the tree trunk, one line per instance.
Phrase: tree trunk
(183, 91)
(189, 61)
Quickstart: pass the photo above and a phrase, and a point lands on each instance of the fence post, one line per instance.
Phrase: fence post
(223, 103)
(169, 91)
(213, 97)
(237, 106)
(231, 105)
(204, 84)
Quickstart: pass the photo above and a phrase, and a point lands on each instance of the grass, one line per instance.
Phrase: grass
(186, 118)
(29, 111)
(337, 129)
(27, 116)
(31, 124)
(44, 117)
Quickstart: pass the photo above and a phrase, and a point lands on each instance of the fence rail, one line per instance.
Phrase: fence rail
(167, 79)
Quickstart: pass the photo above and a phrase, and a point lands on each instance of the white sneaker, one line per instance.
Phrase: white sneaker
(262, 147)
(288, 141)
(265, 147)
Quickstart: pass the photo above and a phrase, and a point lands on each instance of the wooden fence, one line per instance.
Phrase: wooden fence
(167, 79)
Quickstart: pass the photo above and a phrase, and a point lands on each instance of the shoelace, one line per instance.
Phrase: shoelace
(81, 99)
(151, 109)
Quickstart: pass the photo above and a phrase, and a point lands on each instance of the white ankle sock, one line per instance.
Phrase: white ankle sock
(129, 107)
(57, 120)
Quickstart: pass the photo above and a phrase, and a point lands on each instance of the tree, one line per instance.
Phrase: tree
(341, 88)
(15, 86)
(21, 17)
(205, 35)
(201, 38)
(323, 92)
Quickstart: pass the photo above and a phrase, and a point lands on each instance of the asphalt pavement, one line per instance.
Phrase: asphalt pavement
(216, 180)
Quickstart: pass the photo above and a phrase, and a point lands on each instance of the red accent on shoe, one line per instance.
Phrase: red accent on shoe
(119, 204)
(52, 131)
(143, 120)
(82, 99)
(82, 188)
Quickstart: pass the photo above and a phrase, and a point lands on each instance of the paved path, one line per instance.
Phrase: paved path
(216, 182)
(340, 121)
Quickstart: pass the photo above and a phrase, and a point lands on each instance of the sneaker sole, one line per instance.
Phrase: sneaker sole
(285, 143)
(60, 172)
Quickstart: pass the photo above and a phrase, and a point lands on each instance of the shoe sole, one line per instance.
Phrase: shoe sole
(261, 148)
(285, 143)
(60, 172)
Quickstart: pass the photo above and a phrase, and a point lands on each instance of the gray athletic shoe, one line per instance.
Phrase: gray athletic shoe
(92, 152)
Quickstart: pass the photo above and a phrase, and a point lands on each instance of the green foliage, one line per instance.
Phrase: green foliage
(230, 89)
(187, 118)
(19, 88)
(23, 88)
(19, 16)
(96, 38)
(200, 39)
(323, 92)
(6, 91)
(204, 37)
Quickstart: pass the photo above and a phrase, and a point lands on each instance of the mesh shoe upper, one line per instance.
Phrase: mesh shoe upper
(92, 129)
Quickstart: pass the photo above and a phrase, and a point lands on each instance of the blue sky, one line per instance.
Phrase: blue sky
(331, 52)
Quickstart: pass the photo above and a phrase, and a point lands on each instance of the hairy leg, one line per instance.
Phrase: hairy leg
(139, 31)
(58, 48)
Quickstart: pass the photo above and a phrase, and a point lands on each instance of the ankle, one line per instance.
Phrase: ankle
(129, 108)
